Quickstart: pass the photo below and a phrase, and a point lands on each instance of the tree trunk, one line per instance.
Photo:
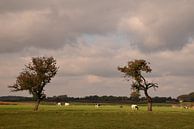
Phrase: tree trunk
(37, 105)
(149, 100)
(149, 106)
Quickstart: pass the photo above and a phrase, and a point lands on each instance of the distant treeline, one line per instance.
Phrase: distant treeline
(91, 99)
(15, 98)
(186, 97)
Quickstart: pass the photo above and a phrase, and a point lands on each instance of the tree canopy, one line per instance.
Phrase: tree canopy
(35, 76)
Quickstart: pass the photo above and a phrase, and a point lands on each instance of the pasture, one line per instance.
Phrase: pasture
(88, 117)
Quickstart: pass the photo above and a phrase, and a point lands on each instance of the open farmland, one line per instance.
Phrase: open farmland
(89, 117)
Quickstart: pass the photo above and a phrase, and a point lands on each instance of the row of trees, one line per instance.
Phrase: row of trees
(41, 70)
(92, 99)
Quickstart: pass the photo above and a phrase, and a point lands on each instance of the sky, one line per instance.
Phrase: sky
(90, 38)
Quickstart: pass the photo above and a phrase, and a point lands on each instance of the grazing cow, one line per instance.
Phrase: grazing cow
(185, 107)
(67, 104)
(97, 105)
(134, 107)
(59, 104)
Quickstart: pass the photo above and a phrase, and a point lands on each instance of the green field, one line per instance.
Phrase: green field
(89, 117)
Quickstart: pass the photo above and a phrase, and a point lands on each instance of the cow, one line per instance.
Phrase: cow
(59, 104)
(97, 105)
(67, 104)
(134, 107)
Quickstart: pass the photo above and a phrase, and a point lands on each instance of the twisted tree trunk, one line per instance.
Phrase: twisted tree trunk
(149, 100)
(37, 105)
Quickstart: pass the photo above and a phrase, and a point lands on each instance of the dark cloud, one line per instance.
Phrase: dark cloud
(150, 25)
(161, 25)
(51, 24)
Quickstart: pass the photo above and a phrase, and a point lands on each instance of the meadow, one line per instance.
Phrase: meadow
(88, 117)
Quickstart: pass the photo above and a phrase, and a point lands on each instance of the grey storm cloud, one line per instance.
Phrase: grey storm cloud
(165, 25)
(51, 24)
(150, 25)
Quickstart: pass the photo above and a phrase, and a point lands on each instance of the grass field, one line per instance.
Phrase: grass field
(89, 117)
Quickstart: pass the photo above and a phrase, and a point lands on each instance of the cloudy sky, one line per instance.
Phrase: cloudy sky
(90, 38)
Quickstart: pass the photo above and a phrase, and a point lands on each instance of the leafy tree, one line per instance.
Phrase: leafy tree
(35, 76)
(192, 96)
(133, 72)
(186, 97)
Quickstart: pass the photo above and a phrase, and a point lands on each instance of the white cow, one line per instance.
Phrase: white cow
(67, 104)
(59, 104)
(134, 107)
